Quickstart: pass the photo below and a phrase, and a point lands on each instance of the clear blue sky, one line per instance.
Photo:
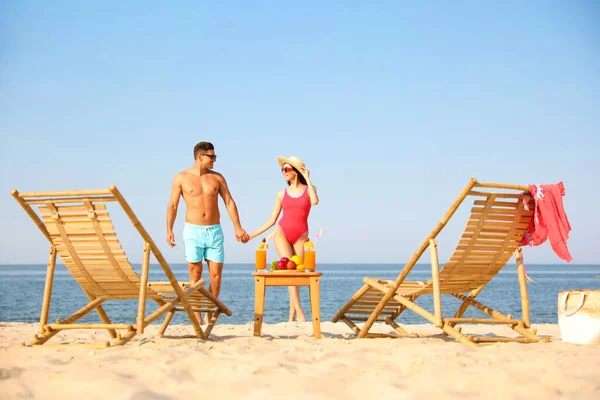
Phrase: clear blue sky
(393, 107)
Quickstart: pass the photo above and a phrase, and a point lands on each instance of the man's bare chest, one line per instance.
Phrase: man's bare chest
(200, 186)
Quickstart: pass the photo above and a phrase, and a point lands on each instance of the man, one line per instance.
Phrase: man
(202, 233)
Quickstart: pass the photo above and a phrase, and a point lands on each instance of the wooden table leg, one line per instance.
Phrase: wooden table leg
(259, 303)
(315, 305)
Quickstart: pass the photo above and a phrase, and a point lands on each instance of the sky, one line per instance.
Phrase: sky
(392, 106)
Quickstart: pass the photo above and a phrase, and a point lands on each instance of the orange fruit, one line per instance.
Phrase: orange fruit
(309, 245)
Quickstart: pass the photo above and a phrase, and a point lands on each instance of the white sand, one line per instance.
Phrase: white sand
(287, 362)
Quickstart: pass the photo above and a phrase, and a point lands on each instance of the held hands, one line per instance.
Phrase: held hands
(241, 235)
(249, 237)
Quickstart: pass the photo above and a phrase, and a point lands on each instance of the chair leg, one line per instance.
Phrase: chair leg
(212, 322)
(121, 340)
(464, 306)
(530, 336)
(143, 288)
(188, 309)
(525, 316)
(43, 337)
(351, 324)
(103, 316)
(48, 289)
(220, 309)
(457, 335)
(397, 327)
(357, 330)
(389, 294)
(166, 322)
(519, 328)
(177, 301)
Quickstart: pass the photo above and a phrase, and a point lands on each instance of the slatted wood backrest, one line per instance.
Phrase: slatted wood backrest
(87, 243)
(493, 231)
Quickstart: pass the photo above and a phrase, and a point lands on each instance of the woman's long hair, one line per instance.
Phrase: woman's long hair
(300, 177)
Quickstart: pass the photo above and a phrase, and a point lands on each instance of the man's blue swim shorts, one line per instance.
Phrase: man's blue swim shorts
(203, 242)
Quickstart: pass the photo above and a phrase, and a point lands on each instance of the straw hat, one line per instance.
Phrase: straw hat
(293, 161)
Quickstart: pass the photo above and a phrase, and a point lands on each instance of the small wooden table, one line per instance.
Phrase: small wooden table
(310, 279)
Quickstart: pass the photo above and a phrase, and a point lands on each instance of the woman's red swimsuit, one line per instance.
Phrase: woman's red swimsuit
(294, 222)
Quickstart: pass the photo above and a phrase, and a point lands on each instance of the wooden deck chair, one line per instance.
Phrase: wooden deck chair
(79, 229)
(492, 235)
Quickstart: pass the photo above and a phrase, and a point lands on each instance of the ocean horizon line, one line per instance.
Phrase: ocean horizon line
(327, 263)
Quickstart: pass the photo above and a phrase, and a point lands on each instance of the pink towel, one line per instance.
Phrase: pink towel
(550, 220)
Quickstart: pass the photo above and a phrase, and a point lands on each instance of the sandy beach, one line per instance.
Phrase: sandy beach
(287, 362)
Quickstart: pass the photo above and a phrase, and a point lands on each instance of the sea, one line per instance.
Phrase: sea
(22, 287)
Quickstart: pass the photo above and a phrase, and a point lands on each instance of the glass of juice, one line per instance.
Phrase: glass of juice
(261, 256)
(310, 259)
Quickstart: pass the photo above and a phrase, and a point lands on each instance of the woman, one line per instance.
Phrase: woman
(292, 230)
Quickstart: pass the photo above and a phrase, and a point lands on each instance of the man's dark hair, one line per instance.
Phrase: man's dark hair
(202, 146)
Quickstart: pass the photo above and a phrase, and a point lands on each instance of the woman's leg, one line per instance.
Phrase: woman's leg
(292, 305)
(285, 249)
(299, 250)
(295, 304)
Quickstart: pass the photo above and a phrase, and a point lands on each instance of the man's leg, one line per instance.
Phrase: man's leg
(215, 270)
(215, 257)
(195, 250)
(195, 275)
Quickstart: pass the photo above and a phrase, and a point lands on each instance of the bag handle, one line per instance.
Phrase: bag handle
(563, 303)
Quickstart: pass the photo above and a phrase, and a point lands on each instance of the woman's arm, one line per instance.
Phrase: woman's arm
(272, 220)
(312, 191)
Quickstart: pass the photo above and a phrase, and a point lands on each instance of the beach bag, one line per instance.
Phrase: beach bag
(579, 316)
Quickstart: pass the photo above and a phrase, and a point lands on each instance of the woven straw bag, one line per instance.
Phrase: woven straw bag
(579, 316)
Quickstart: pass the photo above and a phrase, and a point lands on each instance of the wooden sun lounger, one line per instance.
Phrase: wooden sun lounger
(492, 235)
(79, 229)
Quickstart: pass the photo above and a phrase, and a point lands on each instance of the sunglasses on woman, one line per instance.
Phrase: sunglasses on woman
(285, 170)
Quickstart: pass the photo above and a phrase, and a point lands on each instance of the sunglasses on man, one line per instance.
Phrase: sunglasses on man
(212, 156)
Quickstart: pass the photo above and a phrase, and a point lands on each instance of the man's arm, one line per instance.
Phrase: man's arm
(232, 210)
(172, 209)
